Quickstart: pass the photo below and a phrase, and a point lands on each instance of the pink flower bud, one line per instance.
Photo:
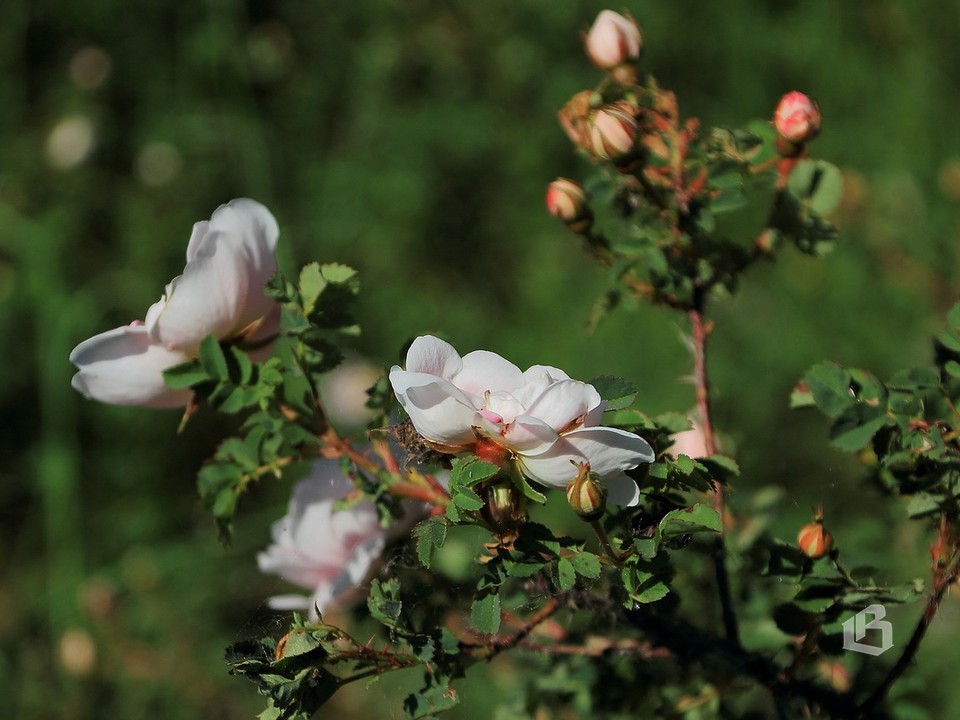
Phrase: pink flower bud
(797, 118)
(613, 133)
(568, 201)
(586, 495)
(613, 40)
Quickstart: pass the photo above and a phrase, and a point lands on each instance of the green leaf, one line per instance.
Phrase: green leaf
(430, 536)
(953, 316)
(818, 183)
(471, 470)
(566, 575)
(312, 284)
(212, 359)
(829, 385)
(187, 375)
(697, 518)
(384, 602)
(923, 504)
(953, 368)
(856, 426)
(485, 613)
(587, 564)
(467, 499)
(618, 393)
(915, 379)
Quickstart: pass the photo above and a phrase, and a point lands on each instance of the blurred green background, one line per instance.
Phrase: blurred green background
(413, 140)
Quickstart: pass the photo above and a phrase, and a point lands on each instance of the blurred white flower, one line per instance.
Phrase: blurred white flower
(541, 419)
(325, 551)
(70, 142)
(89, 67)
(229, 260)
(158, 163)
(344, 391)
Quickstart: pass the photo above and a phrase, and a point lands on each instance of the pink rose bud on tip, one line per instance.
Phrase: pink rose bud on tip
(797, 118)
(567, 200)
(613, 40)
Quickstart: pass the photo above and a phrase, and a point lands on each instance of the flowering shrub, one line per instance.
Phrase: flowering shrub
(662, 602)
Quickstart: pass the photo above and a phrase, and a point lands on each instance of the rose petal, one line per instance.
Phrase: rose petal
(484, 371)
(563, 402)
(608, 450)
(122, 367)
(439, 411)
(433, 356)
(221, 290)
(530, 436)
(622, 490)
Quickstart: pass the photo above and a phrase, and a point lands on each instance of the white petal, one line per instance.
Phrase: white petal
(122, 367)
(289, 602)
(439, 411)
(433, 356)
(622, 490)
(485, 371)
(563, 402)
(608, 450)
(231, 257)
(530, 435)
(536, 379)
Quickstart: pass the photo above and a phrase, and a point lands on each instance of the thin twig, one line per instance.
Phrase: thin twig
(700, 331)
(944, 577)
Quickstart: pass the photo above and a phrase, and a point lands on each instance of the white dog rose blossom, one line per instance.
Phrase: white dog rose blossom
(325, 551)
(546, 422)
(230, 257)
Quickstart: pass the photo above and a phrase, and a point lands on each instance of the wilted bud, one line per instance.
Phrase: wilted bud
(613, 40)
(613, 134)
(814, 540)
(586, 495)
(797, 121)
(568, 201)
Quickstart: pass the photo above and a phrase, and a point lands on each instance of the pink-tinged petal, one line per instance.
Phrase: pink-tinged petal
(484, 371)
(610, 450)
(563, 402)
(439, 411)
(622, 490)
(123, 367)
(433, 356)
(595, 416)
(530, 436)
(503, 404)
(208, 298)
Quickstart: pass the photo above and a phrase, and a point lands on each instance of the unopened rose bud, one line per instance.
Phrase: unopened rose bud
(613, 134)
(586, 495)
(613, 40)
(797, 121)
(505, 507)
(814, 540)
(568, 201)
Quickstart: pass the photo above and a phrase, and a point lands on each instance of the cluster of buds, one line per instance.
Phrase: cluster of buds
(614, 44)
(814, 539)
(797, 122)
(567, 200)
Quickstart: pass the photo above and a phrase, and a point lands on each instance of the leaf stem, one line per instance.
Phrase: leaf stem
(605, 543)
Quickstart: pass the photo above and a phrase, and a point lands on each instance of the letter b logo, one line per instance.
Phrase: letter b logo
(855, 629)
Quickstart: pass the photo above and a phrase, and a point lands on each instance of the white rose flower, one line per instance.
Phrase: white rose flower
(547, 423)
(229, 260)
(324, 551)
